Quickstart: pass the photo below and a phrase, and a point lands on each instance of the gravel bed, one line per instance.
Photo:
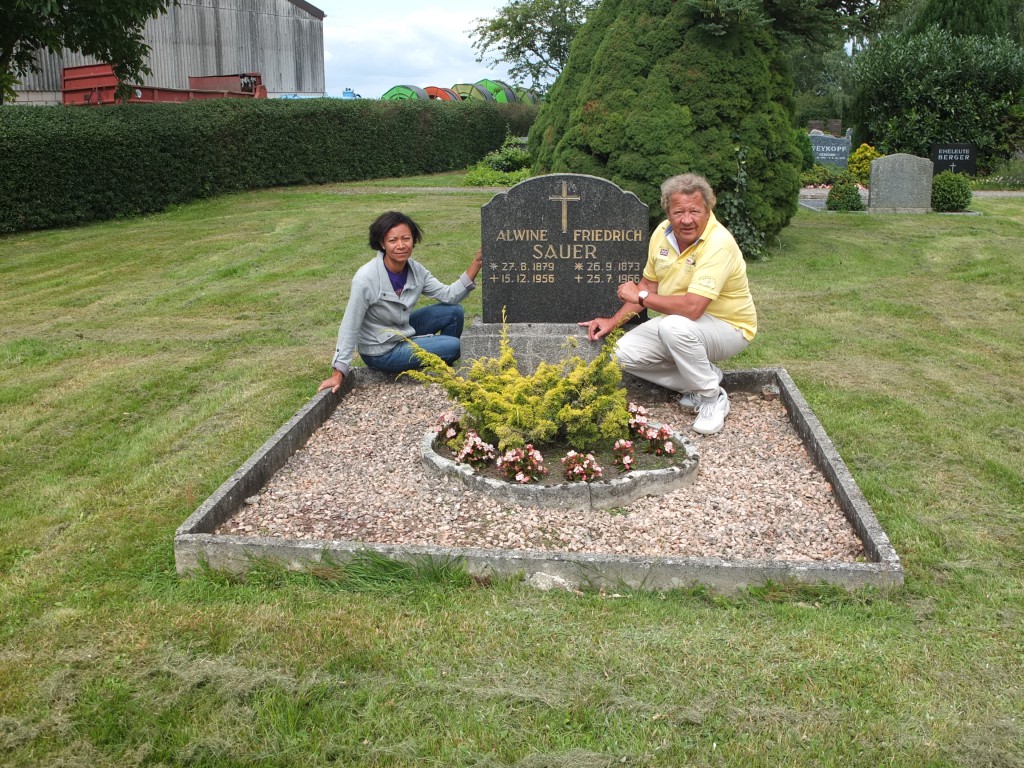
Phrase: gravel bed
(359, 478)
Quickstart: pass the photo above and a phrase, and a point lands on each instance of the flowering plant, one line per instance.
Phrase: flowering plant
(623, 455)
(475, 451)
(659, 441)
(524, 465)
(449, 431)
(579, 467)
(638, 418)
(447, 425)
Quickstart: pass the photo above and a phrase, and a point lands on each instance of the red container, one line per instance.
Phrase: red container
(94, 84)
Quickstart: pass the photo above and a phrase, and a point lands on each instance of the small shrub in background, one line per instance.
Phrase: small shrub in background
(504, 167)
(803, 139)
(844, 196)
(481, 176)
(1008, 174)
(512, 155)
(950, 192)
(820, 175)
(859, 164)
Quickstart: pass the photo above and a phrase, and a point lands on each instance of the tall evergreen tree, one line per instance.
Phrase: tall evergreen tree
(655, 87)
(985, 18)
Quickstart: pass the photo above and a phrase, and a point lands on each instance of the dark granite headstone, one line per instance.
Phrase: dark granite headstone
(830, 150)
(958, 158)
(557, 247)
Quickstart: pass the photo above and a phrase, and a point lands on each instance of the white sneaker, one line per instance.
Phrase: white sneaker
(711, 416)
(690, 401)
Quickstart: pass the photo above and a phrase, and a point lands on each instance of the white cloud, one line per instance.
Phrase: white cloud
(409, 45)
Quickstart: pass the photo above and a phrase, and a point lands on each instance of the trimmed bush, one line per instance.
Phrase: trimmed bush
(67, 165)
(950, 192)
(844, 196)
(803, 140)
(859, 164)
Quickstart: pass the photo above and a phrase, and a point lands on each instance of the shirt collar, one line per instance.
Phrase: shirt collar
(671, 236)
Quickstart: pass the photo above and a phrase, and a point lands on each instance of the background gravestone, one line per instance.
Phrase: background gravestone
(900, 183)
(958, 158)
(556, 248)
(830, 150)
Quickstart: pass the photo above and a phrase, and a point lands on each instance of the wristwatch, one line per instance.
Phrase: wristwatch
(643, 297)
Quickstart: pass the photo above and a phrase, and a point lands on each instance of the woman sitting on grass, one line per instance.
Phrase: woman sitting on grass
(379, 320)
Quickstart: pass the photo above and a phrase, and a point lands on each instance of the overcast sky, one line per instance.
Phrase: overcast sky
(372, 46)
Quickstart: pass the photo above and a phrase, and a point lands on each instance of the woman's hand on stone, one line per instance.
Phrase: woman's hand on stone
(334, 382)
(476, 264)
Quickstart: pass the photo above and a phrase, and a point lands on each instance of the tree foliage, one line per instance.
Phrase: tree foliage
(110, 31)
(987, 18)
(532, 37)
(917, 90)
(654, 88)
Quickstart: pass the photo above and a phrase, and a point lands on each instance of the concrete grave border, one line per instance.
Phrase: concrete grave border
(195, 543)
(615, 491)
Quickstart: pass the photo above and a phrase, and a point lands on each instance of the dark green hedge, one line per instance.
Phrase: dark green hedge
(66, 165)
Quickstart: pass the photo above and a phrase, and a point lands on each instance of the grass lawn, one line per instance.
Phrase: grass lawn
(142, 360)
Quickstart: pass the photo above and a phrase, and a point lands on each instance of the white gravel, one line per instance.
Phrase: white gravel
(359, 478)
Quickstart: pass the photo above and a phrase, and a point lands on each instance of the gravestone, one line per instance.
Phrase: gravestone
(556, 248)
(958, 158)
(900, 183)
(830, 150)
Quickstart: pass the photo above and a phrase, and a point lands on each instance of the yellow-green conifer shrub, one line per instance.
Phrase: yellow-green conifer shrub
(859, 164)
(580, 403)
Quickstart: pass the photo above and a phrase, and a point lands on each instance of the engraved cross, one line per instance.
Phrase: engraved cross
(565, 199)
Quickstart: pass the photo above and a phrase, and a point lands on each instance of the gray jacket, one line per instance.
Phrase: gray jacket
(376, 319)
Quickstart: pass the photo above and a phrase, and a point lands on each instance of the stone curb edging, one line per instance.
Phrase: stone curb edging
(601, 494)
(195, 543)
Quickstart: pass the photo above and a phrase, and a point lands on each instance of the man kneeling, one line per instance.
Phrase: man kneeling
(696, 279)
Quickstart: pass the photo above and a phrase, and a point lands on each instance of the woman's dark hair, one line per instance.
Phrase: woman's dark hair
(388, 221)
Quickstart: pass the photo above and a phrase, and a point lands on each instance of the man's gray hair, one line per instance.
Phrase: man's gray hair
(687, 184)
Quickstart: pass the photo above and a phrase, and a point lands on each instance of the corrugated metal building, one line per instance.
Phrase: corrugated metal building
(283, 40)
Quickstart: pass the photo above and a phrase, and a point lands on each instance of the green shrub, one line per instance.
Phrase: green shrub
(66, 165)
(914, 91)
(821, 175)
(574, 401)
(512, 155)
(504, 167)
(803, 140)
(481, 176)
(859, 164)
(950, 192)
(1008, 174)
(844, 196)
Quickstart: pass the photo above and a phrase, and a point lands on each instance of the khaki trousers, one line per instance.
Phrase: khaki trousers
(676, 352)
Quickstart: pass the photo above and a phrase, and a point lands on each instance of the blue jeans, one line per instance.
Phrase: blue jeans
(437, 329)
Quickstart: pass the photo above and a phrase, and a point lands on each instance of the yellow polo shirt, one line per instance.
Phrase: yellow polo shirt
(713, 267)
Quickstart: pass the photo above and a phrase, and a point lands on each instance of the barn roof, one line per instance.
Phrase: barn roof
(312, 10)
